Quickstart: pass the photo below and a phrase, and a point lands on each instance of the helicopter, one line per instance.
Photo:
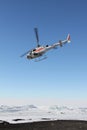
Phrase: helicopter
(40, 50)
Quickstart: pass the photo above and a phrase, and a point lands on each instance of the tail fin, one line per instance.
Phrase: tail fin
(68, 38)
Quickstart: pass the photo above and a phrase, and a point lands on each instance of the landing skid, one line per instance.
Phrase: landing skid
(40, 59)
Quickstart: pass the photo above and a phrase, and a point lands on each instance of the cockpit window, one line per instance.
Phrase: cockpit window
(30, 53)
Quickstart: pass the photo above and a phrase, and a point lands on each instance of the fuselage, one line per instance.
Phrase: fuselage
(37, 52)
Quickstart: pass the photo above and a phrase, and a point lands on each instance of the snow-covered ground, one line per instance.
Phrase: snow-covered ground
(30, 113)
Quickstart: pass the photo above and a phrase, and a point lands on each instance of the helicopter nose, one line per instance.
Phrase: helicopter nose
(29, 57)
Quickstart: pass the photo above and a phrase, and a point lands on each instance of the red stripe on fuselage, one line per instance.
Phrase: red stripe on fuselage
(39, 49)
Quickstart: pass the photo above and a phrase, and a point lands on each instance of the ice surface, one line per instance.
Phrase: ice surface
(32, 113)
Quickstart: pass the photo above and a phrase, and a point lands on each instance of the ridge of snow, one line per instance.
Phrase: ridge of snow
(30, 113)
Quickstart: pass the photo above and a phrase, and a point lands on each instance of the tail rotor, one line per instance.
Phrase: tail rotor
(68, 38)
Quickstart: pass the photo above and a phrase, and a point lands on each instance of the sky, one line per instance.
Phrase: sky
(63, 75)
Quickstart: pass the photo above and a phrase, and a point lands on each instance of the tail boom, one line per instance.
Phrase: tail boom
(68, 38)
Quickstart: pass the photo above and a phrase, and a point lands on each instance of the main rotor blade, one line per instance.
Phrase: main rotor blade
(37, 38)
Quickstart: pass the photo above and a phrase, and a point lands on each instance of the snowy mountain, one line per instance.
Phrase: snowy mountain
(30, 113)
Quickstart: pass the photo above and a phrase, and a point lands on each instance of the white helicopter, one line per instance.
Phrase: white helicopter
(39, 51)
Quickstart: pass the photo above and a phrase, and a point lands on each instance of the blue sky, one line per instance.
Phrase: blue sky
(63, 75)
